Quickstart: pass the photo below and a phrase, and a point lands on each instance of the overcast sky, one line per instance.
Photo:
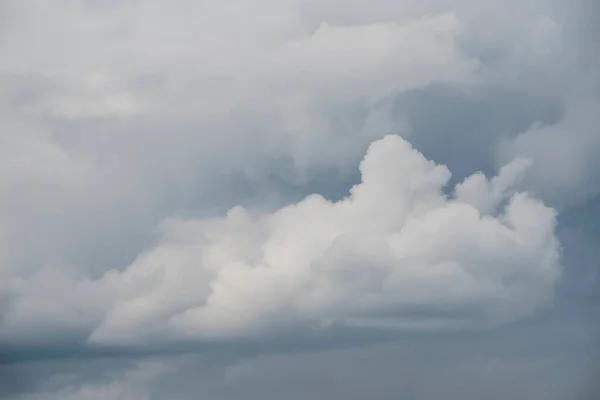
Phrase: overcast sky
(294, 199)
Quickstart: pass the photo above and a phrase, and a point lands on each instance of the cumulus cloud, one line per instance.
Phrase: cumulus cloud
(395, 246)
(397, 253)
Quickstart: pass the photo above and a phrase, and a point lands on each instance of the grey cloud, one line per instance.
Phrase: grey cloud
(545, 361)
(461, 127)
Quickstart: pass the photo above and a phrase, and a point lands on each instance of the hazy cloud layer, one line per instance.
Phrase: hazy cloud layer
(545, 361)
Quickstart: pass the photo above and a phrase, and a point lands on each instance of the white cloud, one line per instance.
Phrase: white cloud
(396, 253)
(210, 56)
(486, 195)
(396, 245)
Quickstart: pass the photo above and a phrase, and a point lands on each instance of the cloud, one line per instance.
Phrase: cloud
(396, 253)
(137, 111)
(540, 361)
(565, 167)
(129, 129)
(395, 246)
(209, 65)
(565, 170)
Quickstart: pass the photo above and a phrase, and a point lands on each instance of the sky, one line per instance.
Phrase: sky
(291, 199)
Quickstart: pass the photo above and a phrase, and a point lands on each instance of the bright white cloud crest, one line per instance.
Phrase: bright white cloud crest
(396, 245)
(396, 253)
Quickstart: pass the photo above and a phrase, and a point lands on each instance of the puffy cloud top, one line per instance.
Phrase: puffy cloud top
(397, 253)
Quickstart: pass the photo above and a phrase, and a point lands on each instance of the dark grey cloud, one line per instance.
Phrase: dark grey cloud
(537, 360)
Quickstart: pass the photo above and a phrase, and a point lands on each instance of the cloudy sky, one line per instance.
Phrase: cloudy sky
(294, 199)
